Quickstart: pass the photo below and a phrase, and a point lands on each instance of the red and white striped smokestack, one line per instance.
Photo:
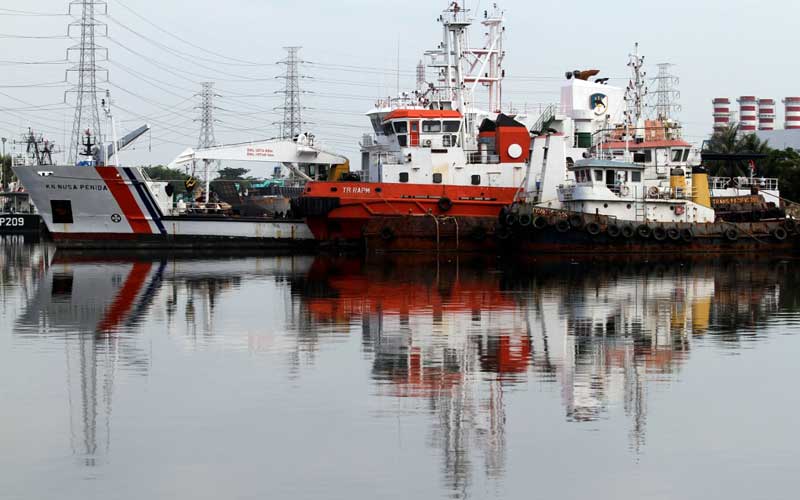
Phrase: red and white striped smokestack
(766, 114)
(722, 113)
(792, 113)
(748, 119)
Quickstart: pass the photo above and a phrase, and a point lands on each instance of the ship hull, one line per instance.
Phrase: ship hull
(340, 212)
(14, 223)
(116, 207)
(486, 234)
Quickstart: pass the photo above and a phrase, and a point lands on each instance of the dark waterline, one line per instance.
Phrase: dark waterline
(164, 376)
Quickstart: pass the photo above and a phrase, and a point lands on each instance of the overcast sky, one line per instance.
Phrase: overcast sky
(719, 48)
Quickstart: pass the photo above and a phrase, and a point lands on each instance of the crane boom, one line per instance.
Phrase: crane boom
(270, 151)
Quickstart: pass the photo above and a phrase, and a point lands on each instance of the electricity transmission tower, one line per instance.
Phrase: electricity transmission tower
(666, 94)
(292, 124)
(206, 119)
(86, 123)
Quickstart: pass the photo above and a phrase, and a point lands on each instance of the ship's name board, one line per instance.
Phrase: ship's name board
(737, 200)
(259, 152)
(356, 190)
(76, 187)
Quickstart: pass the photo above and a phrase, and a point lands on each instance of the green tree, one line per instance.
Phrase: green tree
(177, 178)
(232, 174)
(728, 141)
(7, 173)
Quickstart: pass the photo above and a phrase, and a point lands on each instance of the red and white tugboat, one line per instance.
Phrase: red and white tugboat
(433, 152)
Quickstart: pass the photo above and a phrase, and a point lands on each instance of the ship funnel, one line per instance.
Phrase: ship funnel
(677, 181)
(700, 192)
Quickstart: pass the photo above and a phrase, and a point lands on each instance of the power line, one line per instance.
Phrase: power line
(173, 35)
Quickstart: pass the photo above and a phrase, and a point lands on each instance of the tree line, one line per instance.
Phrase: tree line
(783, 164)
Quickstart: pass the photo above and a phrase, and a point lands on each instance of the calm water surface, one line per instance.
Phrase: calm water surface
(321, 378)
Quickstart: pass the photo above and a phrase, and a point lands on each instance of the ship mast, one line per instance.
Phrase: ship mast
(462, 68)
(635, 95)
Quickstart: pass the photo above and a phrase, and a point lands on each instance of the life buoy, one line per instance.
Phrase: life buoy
(644, 231)
(478, 233)
(593, 228)
(779, 233)
(511, 219)
(444, 204)
(387, 233)
(624, 190)
(576, 221)
(674, 233)
(790, 225)
(680, 210)
(732, 234)
(659, 233)
(562, 226)
(687, 235)
(503, 232)
(540, 222)
(652, 192)
(628, 231)
(525, 220)
(614, 230)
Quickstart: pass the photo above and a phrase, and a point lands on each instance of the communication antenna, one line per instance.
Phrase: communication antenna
(292, 124)
(635, 93)
(84, 30)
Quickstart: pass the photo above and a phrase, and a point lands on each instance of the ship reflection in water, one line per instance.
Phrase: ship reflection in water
(459, 355)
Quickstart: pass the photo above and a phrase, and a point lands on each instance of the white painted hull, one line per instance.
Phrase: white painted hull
(118, 207)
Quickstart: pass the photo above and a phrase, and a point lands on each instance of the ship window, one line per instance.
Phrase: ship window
(619, 152)
(402, 139)
(376, 125)
(431, 126)
(677, 155)
(685, 155)
(648, 155)
(640, 157)
(446, 141)
(387, 129)
(452, 126)
(636, 177)
(598, 175)
(401, 127)
(437, 178)
(403, 176)
(610, 178)
(476, 180)
(62, 211)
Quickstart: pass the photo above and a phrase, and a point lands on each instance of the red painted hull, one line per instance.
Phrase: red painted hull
(338, 211)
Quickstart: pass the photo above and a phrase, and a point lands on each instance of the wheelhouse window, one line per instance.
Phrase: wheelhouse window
(636, 177)
(452, 126)
(648, 155)
(402, 139)
(387, 129)
(401, 127)
(598, 175)
(437, 178)
(685, 155)
(432, 126)
(677, 155)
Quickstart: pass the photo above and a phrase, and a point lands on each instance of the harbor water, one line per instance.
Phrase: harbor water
(395, 377)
